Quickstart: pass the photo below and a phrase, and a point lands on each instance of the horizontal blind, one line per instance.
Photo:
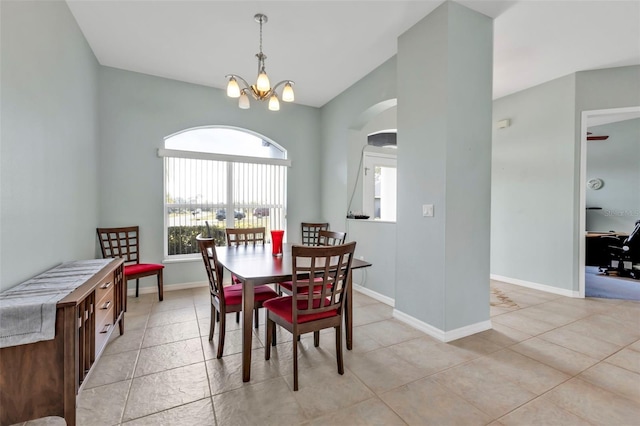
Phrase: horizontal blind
(222, 193)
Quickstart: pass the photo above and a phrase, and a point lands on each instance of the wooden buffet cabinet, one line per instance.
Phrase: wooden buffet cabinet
(43, 378)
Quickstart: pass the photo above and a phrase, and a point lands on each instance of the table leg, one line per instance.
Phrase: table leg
(348, 315)
(247, 329)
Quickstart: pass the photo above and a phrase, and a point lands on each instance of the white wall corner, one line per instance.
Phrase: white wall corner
(375, 295)
(443, 336)
(536, 286)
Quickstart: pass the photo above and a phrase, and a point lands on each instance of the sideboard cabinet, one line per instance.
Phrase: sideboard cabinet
(43, 378)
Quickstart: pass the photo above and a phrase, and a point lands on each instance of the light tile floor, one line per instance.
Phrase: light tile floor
(549, 360)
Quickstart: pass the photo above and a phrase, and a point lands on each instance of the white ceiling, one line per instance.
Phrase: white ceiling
(327, 45)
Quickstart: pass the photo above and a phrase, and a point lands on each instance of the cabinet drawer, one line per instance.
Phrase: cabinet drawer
(105, 302)
(104, 325)
(105, 287)
(104, 313)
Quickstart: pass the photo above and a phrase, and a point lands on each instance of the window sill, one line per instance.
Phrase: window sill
(371, 220)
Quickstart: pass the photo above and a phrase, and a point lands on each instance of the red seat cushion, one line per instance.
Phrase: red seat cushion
(141, 268)
(233, 294)
(235, 279)
(283, 307)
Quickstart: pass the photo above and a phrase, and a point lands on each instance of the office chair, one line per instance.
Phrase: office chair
(625, 258)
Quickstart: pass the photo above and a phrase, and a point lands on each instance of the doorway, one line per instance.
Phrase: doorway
(589, 120)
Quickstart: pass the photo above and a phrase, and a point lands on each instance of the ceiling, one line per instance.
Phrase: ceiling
(325, 46)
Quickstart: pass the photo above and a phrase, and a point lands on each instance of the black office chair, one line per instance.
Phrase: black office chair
(625, 258)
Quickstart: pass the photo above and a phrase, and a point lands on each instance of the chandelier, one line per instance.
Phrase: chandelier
(262, 90)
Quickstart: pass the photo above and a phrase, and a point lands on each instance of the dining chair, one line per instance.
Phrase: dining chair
(307, 310)
(124, 242)
(331, 238)
(225, 299)
(245, 236)
(310, 232)
(325, 238)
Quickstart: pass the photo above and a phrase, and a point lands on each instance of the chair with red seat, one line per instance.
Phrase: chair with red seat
(245, 236)
(310, 232)
(325, 238)
(124, 242)
(308, 310)
(225, 299)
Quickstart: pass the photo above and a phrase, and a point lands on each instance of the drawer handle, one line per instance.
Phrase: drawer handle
(105, 285)
(106, 305)
(105, 328)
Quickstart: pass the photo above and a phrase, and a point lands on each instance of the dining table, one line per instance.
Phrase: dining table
(255, 265)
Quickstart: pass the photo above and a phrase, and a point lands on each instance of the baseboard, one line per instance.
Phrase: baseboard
(443, 336)
(375, 295)
(131, 291)
(536, 286)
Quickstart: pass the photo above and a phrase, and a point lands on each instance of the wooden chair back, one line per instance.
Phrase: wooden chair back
(330, 263)
(245, 236)
(123, 242)
(331, 238)
(214, 270)
(310, 232)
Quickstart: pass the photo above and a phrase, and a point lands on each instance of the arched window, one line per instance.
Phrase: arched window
(226, 177)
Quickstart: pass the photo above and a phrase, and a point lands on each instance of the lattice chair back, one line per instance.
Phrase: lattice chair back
(245, 236)
(310, 232)
(331, 238)
(120, 242)
(207, 248)
(124, 242)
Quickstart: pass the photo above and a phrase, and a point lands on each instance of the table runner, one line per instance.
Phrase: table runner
(28, 310)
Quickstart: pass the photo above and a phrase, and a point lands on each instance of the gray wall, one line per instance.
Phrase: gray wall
(349, 111)
(376, 240)
(364, 107)
(607, 88)
(617, 162)
(444, 159)
(376, 244)
(49, 143)
(137, 111)
(533, 166)
(536, 174)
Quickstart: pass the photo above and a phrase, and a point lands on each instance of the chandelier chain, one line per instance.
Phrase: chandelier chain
(260, 35)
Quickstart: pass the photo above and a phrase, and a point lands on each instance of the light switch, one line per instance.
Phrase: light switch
(427, 210)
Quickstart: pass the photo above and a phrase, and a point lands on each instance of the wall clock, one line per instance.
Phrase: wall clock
(595, 183)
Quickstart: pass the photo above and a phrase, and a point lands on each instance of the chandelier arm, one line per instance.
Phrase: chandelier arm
(246, 85)
(273, 89)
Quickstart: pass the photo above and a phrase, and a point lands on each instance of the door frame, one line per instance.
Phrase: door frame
(588, 118)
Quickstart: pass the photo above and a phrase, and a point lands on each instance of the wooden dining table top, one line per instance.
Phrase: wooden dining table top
(257, 265)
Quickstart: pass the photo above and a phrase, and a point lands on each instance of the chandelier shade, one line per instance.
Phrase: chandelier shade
(237, 87)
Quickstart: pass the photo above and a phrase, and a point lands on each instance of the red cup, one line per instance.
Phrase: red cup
(276, 242)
